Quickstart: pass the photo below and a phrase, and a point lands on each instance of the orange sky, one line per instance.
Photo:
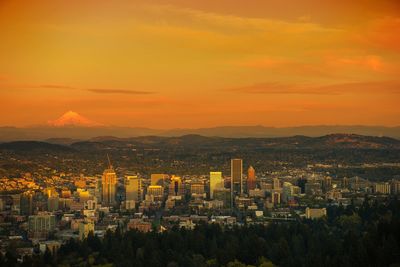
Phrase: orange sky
(185, 63)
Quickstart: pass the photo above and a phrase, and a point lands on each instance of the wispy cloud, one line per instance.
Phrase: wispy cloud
(229, 23)
(118, 91)
(67, 87)
(56, 86)
(277, 88)
(382, 33)
(378, 87)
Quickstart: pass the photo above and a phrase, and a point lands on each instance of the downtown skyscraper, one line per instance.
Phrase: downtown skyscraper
(216, 182)
(133, 191)
(109, 183)
(251, 179)
(237, 175)
(236, 178)
(133, 188)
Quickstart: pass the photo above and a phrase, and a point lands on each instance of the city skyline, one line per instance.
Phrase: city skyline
(191, 64)
(196, 133)
(69, 196)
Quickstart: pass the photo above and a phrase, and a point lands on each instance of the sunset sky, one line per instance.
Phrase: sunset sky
(186, 63)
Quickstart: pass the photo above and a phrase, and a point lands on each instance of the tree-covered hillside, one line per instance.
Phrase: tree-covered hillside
(365, 236)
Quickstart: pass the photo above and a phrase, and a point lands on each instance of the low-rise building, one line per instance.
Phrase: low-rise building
(315, 213)
(85, 228)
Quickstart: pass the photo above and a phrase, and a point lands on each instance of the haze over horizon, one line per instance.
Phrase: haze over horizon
(196, 64)
(73, 126)
(75, 119)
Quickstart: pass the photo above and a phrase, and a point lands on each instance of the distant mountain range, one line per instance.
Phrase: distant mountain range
(333, 141)
(69, 133)
(72, 118)
(71, 127)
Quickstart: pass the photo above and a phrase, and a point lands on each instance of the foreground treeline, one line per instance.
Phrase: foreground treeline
(365, 236)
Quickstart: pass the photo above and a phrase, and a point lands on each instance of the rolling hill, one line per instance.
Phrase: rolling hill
(42, 133)
(332, 141)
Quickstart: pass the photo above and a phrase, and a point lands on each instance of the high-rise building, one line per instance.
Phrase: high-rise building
(133, 188)
(327, 183)
(301, 182)
(276, 198)
(251, 179)
(85, 228)
(83, 195)
(91, 204)
(158, 178)
(16, 203)
(156, 192)
(52, 203)
(395, 187)
(313, 188)
(276, 183)
(176, 187)
(224, 195)
(98, 190)
(41, 225)
(26, 204)
(355, 183)
(197, 189)
(345, 182)
(108, 183)
(289, 191)
(216, 182)
(39, 201)
(237, 175)
(382, 188)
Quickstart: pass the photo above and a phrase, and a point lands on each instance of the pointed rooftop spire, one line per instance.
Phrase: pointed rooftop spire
(109, 162)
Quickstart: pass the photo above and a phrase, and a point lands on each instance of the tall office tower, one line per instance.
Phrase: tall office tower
(276, 198)
(237, 175)
(98, 191)
(224, 195)
(176, 187)
(327, 183)
(39, 201)
(133, 188)
(382, 188)
(345, 182)
(301, 182)
(356, 184)
(26, 204)
(395, 187)
(50, 191)
(158, 178)
(216, 182)
(277, 184)
(52, 203)
(108, 184)
(155, 191)
(236, 179)
(41, 225)
(16, 203)
(251, 179)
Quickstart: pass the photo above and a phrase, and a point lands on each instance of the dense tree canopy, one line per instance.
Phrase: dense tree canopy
(368, 235)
